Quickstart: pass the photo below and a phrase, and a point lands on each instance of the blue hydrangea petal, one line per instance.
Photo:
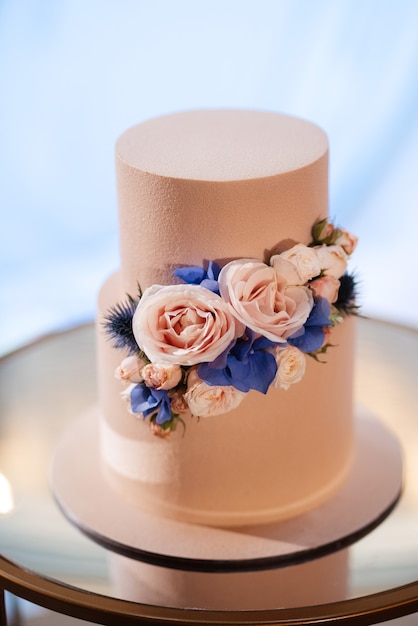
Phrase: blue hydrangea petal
(196, 275)
(240, 374)
(320, 313)
(150, 410)
(191, 275)
(213, 376)
(262, 343)
(210, 284)
(311, 341)
(147, 401)
(242, 349)
(298, 333)
(310, 337)
(263, 369)
(141, 399)
(213, 270)
(256, 372)
(164, 413)
(222, 359)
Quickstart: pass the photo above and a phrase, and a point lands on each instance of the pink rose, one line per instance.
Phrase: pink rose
(183, 324)
(298, 264)
(323, 231)
(130, 369)
(326, 287)
(332, 260)
(206, 400)
(178, 403)
(161, 376)
(291, 367)
(346, 240)
(262, 300)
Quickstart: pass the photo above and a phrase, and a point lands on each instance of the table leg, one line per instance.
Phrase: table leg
(3, 617)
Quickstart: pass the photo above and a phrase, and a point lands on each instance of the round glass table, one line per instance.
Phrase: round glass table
(47, 561)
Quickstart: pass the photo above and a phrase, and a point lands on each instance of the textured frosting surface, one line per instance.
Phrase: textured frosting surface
(195, 186)
(221, 145)
(217, 185)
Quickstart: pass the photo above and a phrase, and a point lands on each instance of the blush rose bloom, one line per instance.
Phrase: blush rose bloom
(206, 400)
(183, 324)
(346, 240)
(161, 376)
(262, 299)
(130, 369)
(291, 364)
(332, 260)
(298, 264)
(326, 287)
(323, 230)
(178, 403)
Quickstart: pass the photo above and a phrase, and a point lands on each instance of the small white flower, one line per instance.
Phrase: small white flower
(298, 264)
(332, 260)
(207, 400)
(291, 364)
(126, 396)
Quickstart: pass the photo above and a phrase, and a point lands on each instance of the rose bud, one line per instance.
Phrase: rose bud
(159, 431)
(322, 231)
(326, 287)
(332, 260)
(178, 403)
(161, 376)
(346, 240)
(130, 369)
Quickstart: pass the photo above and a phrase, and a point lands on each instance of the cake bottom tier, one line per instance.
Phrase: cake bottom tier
(274, 457)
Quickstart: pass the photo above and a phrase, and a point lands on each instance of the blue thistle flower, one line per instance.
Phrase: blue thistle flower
(118, 325)
(346, 301)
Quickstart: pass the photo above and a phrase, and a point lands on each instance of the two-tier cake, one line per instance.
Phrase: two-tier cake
(225, 344)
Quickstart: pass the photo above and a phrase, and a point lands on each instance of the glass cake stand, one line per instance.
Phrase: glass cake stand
(46, 560)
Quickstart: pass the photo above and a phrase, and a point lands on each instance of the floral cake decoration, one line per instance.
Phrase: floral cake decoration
(197, 348)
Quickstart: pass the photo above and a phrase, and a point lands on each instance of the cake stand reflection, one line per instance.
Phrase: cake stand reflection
(48, 562)
(296, 562)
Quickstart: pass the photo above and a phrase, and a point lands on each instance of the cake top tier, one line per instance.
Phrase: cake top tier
(221, 145)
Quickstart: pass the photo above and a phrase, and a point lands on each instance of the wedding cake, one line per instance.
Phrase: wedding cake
(225, 340)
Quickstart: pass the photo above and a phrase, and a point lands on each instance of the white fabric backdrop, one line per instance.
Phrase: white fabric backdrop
(75, 74)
